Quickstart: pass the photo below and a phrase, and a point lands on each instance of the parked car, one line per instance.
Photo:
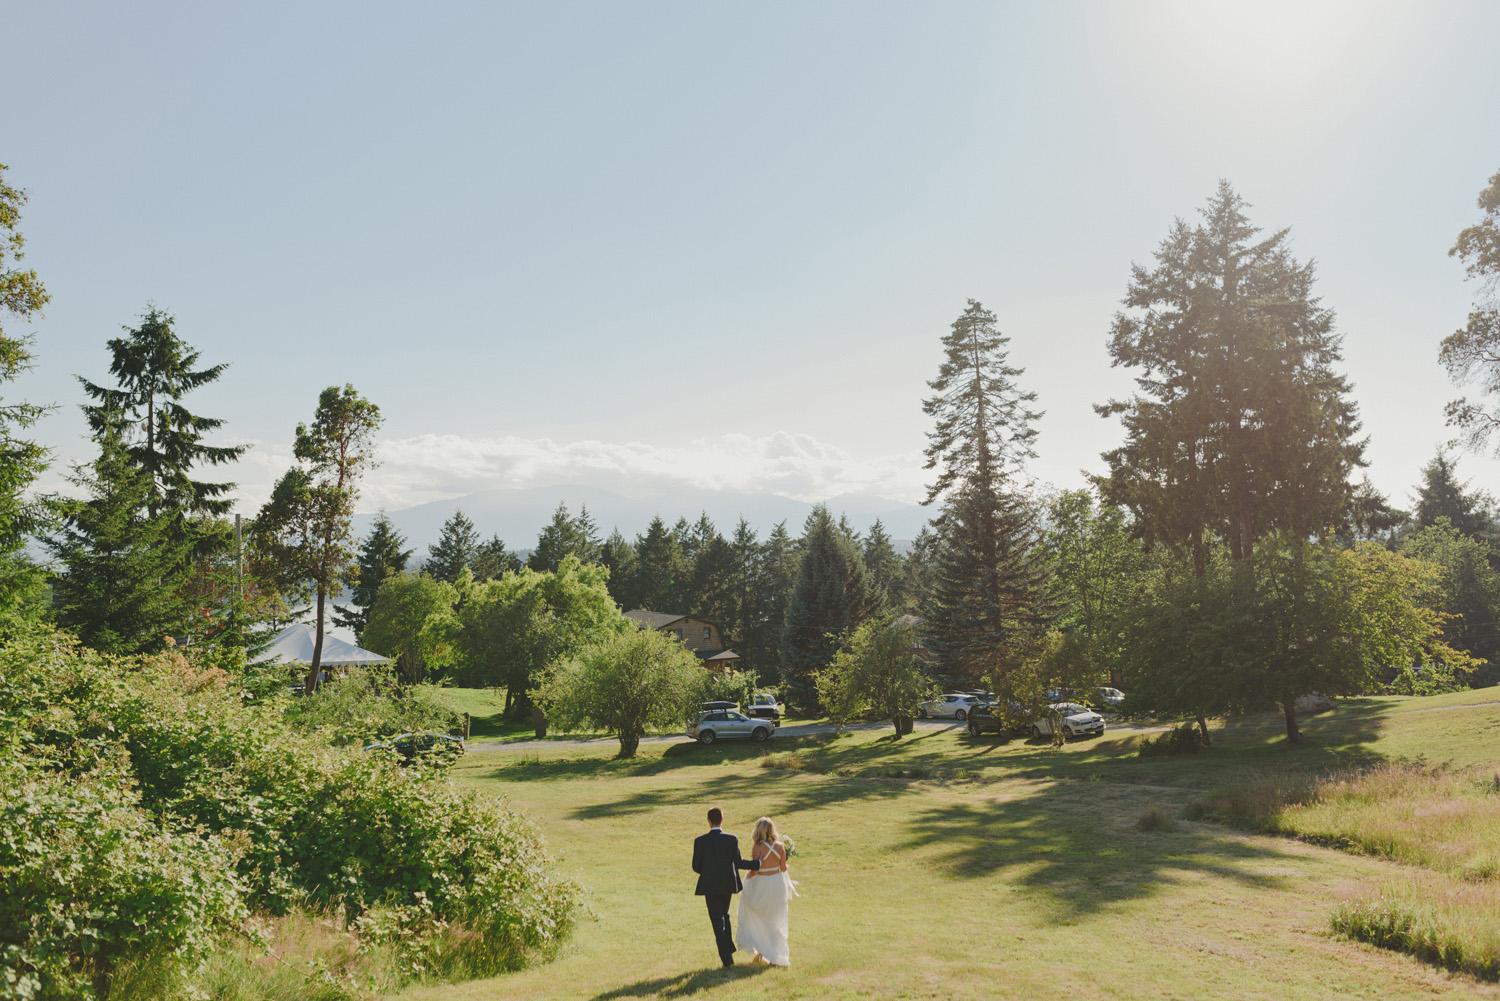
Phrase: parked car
(955, 704)
(1076, 720)
(727, 724)
(1109, 698)
(764, 706)
(411, 747)
(998, 718)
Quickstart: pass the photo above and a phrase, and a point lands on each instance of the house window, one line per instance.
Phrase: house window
(678, 634)
(708, 634)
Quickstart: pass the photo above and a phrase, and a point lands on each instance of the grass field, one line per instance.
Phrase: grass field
(946, 867)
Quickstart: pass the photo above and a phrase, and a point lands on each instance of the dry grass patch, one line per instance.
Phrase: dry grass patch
(1446, 922)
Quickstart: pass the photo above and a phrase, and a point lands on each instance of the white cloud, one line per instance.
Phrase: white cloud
(434, 467)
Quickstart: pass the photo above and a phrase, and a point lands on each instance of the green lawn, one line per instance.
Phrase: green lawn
(983, 871)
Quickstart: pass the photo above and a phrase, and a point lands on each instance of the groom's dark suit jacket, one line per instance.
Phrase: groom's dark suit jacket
(716, 860)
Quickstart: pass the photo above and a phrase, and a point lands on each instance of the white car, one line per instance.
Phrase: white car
(1111, 697)
(1077, 721)
(955, 705)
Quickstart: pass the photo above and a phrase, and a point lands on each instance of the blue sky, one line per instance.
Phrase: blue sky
(632, 246)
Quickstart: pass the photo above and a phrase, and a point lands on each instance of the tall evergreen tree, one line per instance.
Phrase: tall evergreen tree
(457, 547)
(380, 555)
(1473, 352)
(494, 558)
(22, 296)
(121, 569)
(1242, 425)
(916, 571)
(662, 572)
(883, 566)
(1441, 495)
(772, 569)
(564, 536)
(828, 599)
(618, 556)
(154, 370)
(987, 584)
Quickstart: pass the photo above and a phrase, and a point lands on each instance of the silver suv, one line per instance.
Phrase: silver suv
(726, 724)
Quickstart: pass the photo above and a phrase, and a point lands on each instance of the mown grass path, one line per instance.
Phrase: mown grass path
(1005, 872)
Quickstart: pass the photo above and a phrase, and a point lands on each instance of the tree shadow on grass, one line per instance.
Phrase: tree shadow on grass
(1077, 843)
(682, 984)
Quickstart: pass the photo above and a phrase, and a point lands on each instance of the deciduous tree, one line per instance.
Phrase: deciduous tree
(876, 668)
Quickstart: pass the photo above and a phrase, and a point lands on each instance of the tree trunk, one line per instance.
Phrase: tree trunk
(1293, 735)
(1203, 729)
(896, 721)
(628, 744)
(317, 657)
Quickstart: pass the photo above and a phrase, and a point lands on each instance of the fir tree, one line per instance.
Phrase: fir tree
(154, 370)
(987, 581)
(380, 555)
(456, 548)
(661, 577)
(121, 568)
(565, 536)
(828, 599)
(1443, 496)
(883, 566)
(618, 556)
(494, 558)
(1473, 351)
(772, 569)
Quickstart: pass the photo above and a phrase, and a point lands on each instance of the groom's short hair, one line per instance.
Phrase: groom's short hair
(715, 816)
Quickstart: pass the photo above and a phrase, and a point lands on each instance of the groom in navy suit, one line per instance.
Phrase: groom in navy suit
(716, 860)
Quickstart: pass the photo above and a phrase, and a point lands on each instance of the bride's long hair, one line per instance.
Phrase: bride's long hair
(765, 832)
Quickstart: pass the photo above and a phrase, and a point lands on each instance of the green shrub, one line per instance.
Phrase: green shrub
(1155, 818)
(1185, 739)
(368, 704)
(445, 878)
(1455, 926)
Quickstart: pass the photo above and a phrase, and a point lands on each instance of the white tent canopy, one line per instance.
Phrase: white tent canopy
(294, 645)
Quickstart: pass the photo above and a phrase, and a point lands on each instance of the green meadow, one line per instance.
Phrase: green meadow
(942, 866)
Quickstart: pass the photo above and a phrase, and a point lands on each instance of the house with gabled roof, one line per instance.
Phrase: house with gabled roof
(698, 635)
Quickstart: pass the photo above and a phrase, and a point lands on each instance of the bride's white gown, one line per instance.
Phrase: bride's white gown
(763, 917)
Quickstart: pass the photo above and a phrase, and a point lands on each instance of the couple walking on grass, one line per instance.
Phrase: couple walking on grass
(764, 894)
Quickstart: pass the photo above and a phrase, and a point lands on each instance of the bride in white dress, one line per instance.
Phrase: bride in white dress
(763, 915)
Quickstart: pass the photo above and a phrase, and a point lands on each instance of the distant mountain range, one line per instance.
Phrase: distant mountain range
(517, 516)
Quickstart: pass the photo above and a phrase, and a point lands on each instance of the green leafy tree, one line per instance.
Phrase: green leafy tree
(625, 685)
(876, 669)
(22, 296)
(120, 570)
(303, 535)
(380, 555)
(412, 621)
(1472, 353)
(509, 629)
(565, 536)
(154, 370)
(987, 580)
(829, 598)
(1470, 591)
(456, 548)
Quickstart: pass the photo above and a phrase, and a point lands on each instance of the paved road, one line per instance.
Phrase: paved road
(797, 730)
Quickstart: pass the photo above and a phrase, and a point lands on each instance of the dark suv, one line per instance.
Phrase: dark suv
(991, 717)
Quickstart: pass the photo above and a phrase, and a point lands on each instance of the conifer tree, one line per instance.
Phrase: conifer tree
(661, 571)
(884, 569)
(988, 579)
(828, 599)
(616, 554)
(154, 370)
(22, 295)
(457, 547)
(380, 555)
(121, 569)
(494, 558)
(1443, 496)
(565, 536)
(773, 574)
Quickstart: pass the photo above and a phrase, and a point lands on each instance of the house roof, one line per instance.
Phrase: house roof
(719, 655)
(656, 620)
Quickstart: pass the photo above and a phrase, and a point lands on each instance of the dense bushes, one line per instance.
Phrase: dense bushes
(1185, 739)
(174, 809)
